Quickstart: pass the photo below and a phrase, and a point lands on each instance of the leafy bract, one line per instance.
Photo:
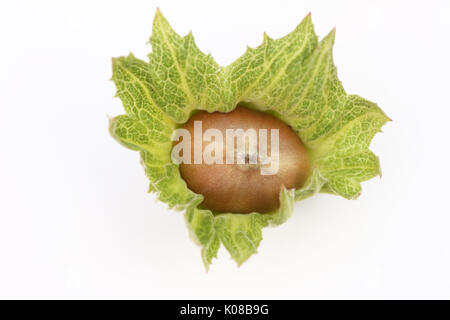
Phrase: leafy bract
(293, 78)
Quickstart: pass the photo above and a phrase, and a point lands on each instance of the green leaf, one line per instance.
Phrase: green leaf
(293, 78)
(148, 129)
(239, 233)
(313, 185)
(185, 78)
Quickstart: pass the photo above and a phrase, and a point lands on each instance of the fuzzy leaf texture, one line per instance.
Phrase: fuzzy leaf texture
(293, 78)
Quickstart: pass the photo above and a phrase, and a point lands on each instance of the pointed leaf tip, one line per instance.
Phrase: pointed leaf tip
(307, 18)
(159, 17)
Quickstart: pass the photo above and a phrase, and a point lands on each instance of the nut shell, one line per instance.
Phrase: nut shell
(241, 188)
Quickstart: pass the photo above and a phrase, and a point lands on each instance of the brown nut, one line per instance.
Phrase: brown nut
(242, 188)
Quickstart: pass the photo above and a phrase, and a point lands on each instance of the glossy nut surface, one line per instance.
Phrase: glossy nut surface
(241, 188)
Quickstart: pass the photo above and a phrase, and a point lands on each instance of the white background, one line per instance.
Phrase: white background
(75, 218)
